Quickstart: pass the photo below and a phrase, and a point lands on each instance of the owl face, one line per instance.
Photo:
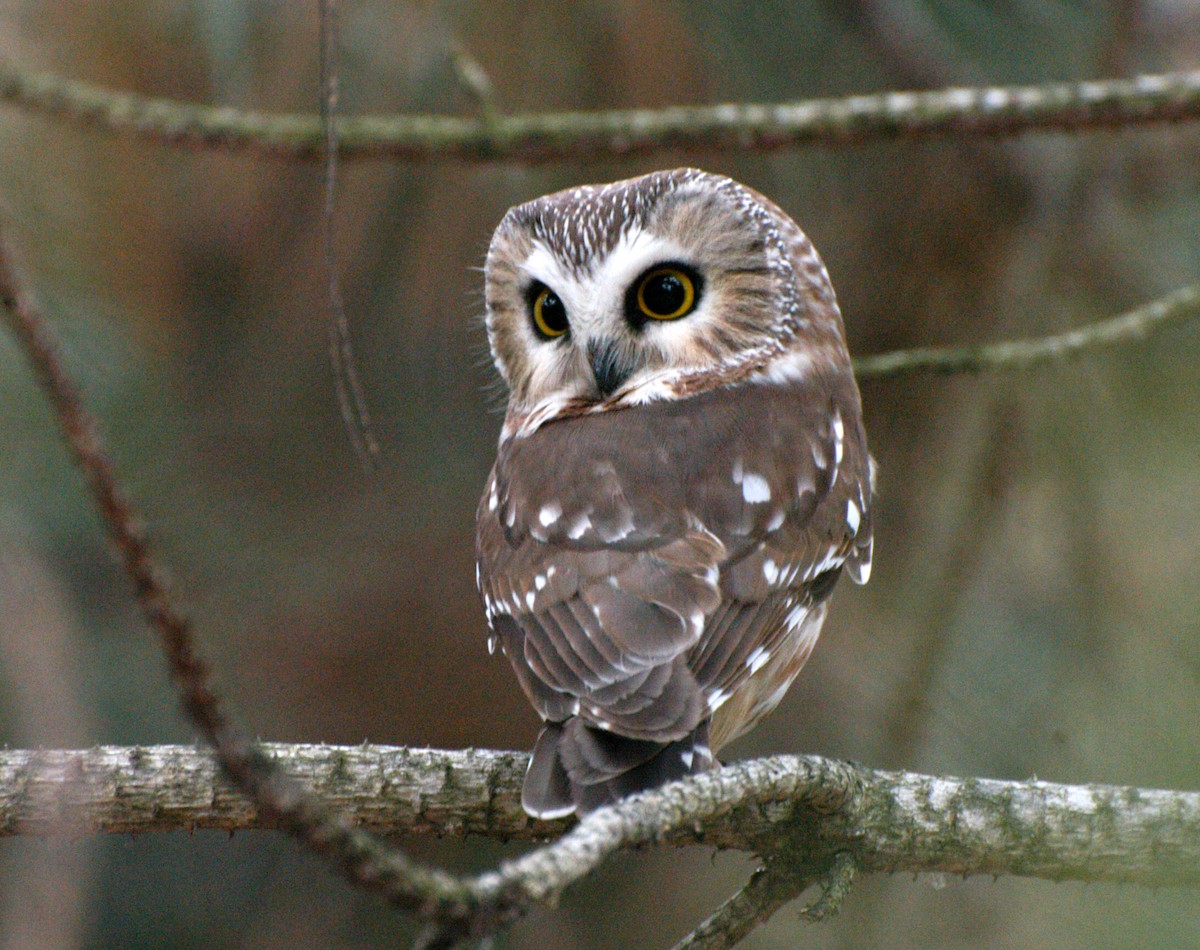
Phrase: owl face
(638, 290)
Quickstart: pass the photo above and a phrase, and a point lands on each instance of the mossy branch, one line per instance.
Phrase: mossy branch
(887, 821)
(1008, 110)
(1177, 307)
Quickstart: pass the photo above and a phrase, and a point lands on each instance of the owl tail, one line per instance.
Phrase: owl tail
(576, 767)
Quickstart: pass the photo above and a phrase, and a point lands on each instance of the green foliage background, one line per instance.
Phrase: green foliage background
(1035, 602)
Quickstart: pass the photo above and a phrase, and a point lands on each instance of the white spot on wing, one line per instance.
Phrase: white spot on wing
(864, 571)
(860, 569)
(624, 527)
(550, 513)
(717, 699)
(757, 659)
(687, 757)
(770, 571)
(755, 488)
(580, 525)
(839, 436)
(529, 598)
(795, 617)
(853, 516)
(539, 581)
(833, 557)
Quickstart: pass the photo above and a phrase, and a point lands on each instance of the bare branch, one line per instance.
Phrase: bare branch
(1177, 307)
(885, 821)
(352, 397)
(768, 889)
(765, 892)
(138, 789)
(1141, 100)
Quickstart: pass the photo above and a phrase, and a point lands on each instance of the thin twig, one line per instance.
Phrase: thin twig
(1176, 307)
(352, 398)
(1116, 103)
(765, 892)
(475, 80)
(835, 888)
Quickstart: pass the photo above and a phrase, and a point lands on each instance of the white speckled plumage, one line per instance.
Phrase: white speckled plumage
(675, 494)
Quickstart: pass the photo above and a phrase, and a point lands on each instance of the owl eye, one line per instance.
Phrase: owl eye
(666, 293)
(549, 314)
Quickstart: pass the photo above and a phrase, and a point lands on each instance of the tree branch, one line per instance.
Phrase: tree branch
(769, 888)
(886, 821)
(1147, 99)
(765, 892)
(1177, 307)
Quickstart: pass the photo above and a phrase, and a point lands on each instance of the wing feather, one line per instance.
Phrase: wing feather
(648, 566)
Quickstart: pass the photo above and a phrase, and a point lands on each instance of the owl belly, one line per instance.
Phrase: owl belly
(762, 691)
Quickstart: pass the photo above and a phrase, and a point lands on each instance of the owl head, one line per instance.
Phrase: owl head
(655, 287)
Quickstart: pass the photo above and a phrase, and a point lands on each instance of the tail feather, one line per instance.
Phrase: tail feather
(577, 767)
(547, 790)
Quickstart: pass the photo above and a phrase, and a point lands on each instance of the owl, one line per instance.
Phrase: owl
(682, 474)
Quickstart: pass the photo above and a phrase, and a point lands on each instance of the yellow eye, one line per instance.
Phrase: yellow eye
(666, 293)
(549, 314)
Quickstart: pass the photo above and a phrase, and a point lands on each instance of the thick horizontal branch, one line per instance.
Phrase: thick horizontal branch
(1169, 97)
(889, 821)
(1175, 308)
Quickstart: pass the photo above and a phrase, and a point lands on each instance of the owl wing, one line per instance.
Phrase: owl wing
(632, 562)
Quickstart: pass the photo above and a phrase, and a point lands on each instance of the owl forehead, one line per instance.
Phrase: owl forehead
(584, 224)
(606, 275)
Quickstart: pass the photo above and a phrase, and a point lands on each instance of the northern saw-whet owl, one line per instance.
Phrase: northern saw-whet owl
(682, 474)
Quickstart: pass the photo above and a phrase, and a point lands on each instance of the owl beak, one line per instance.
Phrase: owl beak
(610, 367)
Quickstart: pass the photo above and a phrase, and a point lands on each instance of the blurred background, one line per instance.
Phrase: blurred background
(1034, 608)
